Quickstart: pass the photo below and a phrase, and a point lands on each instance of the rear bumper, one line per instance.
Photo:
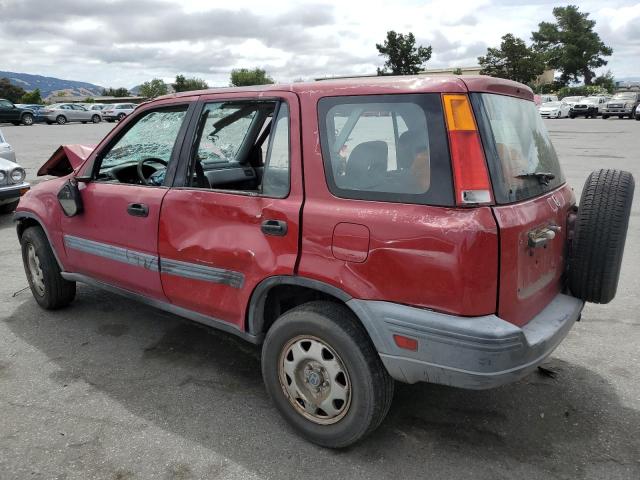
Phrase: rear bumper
(467, 352)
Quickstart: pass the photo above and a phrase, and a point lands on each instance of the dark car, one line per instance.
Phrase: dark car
(395, 228)
(38, 116)
(10, 113)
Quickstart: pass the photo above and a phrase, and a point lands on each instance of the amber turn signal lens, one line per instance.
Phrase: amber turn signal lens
(406, 342)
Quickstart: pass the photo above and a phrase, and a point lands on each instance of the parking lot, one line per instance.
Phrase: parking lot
(112, 389)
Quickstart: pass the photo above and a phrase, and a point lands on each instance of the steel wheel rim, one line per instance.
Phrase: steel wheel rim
(314, 380)
(35, 270)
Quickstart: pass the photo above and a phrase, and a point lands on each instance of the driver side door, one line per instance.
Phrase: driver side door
(115, 238)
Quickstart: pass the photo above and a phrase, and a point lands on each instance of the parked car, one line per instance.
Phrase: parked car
(433, 236)
(36, 109)
(638, 112)
(12, 175)
(10, 113)
(62, 113)
(621, 104)
(554, 110)
(571, 101)
(117, 111)
(546, 98)
(589, 107)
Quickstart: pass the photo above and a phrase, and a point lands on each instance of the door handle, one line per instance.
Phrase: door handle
(138, 210)
(277, 228)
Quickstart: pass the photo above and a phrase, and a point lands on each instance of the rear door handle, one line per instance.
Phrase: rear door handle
(138, 210)
(277, 228)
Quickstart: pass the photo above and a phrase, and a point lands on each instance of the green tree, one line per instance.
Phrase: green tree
(513, 60)
(570, 45)
(403, 57)
(89, 100)
(243, 77)
(153, 88)
(606, 81)
(183, 84)
(32, 97)
(115, 92)
(457, 71)
(10, 92)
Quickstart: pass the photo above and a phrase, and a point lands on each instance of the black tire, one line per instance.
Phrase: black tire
(58, 292)
(49, 123)
(111, 120)
(638, 117)
(95, 119)
(16, 123)
(572, 115)
(121, 117)
(604, 117)
(27, 119)
(84, 123)
(61, 119)
(9, 207)
(371, 386)
(600, 233)
(620, 117)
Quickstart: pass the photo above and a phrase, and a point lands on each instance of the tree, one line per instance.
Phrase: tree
(570, 45)
(403, 57)
(457, 71)
(153, 88)
(10, 92)
(513, 60)
(115, 92)
(33, 97)
(89, 100)
(606, 81)
(243, 77)
(183, 84)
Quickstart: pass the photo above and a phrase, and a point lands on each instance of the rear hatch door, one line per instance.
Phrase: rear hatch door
(532, 202)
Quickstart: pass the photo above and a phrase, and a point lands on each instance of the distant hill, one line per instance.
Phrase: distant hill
(52, 86)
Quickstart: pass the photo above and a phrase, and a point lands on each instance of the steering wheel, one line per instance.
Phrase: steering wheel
(142, 161)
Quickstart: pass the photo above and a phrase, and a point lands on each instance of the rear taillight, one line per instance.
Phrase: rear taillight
(470, 174)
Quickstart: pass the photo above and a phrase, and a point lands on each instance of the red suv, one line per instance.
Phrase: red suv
(414, 228)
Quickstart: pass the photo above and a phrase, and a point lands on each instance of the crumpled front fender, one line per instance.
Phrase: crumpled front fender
(66, 159)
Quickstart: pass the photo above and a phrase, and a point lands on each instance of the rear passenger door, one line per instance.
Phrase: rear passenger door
(232, 216)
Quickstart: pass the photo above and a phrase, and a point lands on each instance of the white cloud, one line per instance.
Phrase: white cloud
(118, 42)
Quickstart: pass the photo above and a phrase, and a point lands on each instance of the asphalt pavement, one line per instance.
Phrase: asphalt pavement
(111, 389)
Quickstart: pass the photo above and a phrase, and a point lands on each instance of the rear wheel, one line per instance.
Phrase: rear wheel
(95, 119)
(620, 116)
(324, 375)
(50, 290)
(604, 116)
(61, 119)
(27, 119)
(600, 233)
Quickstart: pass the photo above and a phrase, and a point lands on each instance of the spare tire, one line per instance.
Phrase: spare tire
(600, 232)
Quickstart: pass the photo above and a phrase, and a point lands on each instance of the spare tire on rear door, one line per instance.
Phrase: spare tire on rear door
(600, 233)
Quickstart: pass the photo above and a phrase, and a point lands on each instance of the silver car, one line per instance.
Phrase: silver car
(62, 113)
(12, 184)
(117, 111)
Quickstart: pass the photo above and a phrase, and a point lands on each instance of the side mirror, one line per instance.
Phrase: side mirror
(70, 199)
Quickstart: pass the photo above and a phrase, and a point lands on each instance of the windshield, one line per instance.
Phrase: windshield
(624, 96)
(522, 160)
(572, 99)
(551, 104)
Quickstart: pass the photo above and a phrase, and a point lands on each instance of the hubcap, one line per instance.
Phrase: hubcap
(37, 276)
(314, 380)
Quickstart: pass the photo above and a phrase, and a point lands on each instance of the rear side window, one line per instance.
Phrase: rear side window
(521, 157)
(386, 148)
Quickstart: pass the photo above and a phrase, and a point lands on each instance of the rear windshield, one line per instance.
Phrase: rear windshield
(522, 160)
(386, 148)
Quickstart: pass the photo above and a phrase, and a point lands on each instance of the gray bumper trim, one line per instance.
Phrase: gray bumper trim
(469, 352)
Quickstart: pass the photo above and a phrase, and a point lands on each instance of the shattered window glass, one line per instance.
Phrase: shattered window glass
(153, 136)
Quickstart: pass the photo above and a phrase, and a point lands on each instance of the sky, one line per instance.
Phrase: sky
(117, 43)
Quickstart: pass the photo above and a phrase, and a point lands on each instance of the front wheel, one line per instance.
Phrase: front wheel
(324, 375)
(50, 290)
(604, 117)
(121, 117)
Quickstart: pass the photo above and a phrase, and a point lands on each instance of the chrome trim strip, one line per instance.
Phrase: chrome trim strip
(167, 307)
(119, 254)
(201, 272)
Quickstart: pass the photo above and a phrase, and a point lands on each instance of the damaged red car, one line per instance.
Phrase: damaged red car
(363, 231)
